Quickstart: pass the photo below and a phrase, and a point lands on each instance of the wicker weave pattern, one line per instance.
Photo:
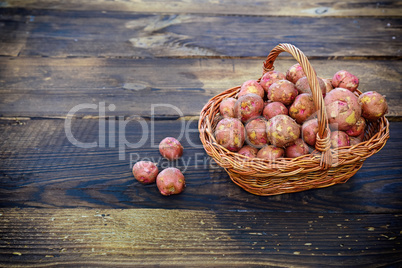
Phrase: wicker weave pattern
(323, 167)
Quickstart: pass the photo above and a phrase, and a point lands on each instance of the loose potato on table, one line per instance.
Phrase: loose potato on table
(170, 148)
(170, 181)
(145, 172)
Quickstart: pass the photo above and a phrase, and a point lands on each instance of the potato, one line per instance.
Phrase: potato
(309, 131)
(249, 151)
(282, 130)
(356, 140)
(226, 108)
(283, 91)
(256, 132)
(274, 108)
(344, 79)
(374, 105)
(294, 73)
(297, 149)
(170, 181)
(248, 106)
(343, 108)
(303, 86)
(230, 133)
(269, 78)
(339, 139)
(145, 172)
(170, 148)
(302, 108)
(270, 152)
(251, 86)
(328, 85)
(357, 128)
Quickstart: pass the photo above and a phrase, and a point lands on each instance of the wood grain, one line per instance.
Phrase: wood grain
(41, 167)
(70, 199)
(176, 238)
(48, 87)
(64, 33)
(295, 8)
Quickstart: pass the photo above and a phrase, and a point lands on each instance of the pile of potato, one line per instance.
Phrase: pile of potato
(169, 181)
(275, 117)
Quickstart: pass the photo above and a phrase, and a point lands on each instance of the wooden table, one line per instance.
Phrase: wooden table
(87, 89)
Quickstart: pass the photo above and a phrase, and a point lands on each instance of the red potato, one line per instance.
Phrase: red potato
(374, 105)
(356, 140)
(270, 152)
(226, 108)
(249, 151)
(230, 133)
(248, 106)
(282, 130)
(170, 148)
(339, 139)
(251, 86)
(269, 78)
(294, 73)
(344, 79)
(309, 131)
(297, 149)
(170, 181)
(302, 108)
(145, 172)
(274, 108)
(256, 132)
(343, 108)
(328, 85)
(283, 91)
(303, 86)
(358, 128)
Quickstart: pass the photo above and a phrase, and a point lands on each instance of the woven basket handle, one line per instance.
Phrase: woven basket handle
(323, 141)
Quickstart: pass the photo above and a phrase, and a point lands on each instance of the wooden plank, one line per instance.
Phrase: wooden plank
(55, 33)
(177, 238)
(48, 87)
(42, 166)
(296, 8)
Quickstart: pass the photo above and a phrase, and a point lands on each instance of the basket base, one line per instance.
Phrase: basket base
(267, 186)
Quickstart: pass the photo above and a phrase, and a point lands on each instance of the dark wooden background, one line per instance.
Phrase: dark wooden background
(153, 66)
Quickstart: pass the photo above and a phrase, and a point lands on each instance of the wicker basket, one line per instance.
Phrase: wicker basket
(323, 167)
